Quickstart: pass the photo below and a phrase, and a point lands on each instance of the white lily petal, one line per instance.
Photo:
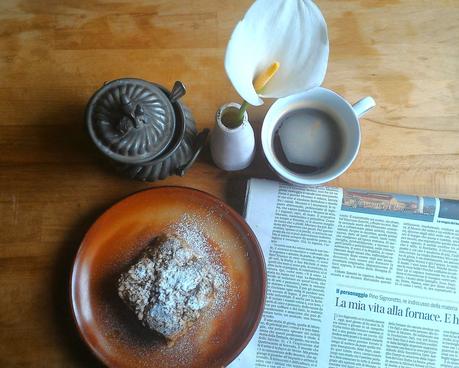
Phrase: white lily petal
(292, 32)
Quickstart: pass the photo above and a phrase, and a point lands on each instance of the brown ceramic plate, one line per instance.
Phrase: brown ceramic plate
(113, 243)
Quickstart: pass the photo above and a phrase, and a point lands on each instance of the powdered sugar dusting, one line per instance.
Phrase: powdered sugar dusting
(177, 283)
(189, 229)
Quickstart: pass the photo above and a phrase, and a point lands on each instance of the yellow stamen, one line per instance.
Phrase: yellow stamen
(265, 76)
(259, 83)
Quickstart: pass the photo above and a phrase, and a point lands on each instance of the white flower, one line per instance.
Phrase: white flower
(292, 32)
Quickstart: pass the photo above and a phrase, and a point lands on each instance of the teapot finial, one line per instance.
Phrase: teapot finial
(134, 115)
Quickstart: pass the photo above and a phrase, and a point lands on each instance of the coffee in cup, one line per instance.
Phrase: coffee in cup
(312, 137)
(307, 140)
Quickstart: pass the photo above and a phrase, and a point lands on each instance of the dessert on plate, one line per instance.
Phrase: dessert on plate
(169, 286)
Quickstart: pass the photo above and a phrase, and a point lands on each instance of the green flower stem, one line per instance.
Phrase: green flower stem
(242, 110)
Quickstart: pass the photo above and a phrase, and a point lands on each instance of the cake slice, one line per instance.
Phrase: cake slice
(168, 287)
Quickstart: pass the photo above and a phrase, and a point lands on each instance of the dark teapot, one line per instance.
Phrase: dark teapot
(143, 129)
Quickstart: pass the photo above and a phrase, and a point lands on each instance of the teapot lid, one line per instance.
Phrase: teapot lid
(132, 120)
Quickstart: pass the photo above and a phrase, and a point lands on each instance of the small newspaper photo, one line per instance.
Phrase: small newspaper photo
(355, 279)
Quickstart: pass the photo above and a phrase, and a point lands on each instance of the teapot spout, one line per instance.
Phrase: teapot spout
(177, 92)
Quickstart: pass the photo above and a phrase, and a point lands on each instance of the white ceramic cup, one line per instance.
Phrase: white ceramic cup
(342, 112)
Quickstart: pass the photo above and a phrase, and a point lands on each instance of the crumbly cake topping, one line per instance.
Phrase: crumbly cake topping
(174, 280)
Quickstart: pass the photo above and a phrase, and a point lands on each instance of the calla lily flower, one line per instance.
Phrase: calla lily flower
(291, 32)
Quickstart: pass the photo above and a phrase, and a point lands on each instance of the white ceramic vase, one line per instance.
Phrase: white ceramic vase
(232, 148)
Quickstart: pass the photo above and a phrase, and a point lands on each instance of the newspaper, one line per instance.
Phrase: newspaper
(355, 279)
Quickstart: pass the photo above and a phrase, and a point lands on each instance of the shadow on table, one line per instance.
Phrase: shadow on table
(236, 182)
(66, 327)
(62, 138)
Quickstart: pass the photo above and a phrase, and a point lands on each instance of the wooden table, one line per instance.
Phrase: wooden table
(55, 53)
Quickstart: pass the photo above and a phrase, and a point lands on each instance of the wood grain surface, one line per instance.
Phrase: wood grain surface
(54, 54)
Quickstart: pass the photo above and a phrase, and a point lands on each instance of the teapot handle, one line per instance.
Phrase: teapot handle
(200, 143)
